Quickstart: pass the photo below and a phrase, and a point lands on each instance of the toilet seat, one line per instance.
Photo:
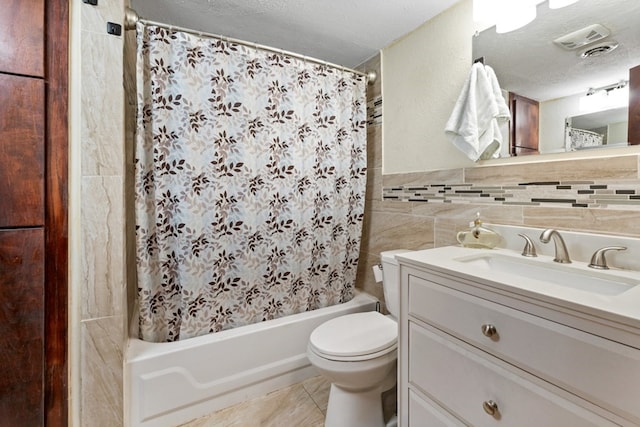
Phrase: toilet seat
(354, 337)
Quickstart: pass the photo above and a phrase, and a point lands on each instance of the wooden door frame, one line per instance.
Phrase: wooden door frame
(633, 132)
(56, 212)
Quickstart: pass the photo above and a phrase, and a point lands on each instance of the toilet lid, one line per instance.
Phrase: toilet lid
(355, 334)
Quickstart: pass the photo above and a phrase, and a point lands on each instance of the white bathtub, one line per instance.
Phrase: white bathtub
(171, 383)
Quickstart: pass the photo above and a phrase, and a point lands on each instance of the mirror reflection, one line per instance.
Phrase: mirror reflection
(607, 128)
(556, 60)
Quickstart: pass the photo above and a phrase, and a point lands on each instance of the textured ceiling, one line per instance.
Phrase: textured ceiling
(528, 63)
(344, 32)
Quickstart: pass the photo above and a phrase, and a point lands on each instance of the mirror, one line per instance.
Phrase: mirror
(558, 74)
(602, 129)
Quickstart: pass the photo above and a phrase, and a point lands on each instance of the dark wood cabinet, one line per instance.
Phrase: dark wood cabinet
(22, 37)
(21, 151)
(524, 125)
(22, 204)
(21, 327)
(33, 212)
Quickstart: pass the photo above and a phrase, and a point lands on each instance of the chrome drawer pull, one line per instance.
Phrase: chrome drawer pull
(490, 407)
(489, 331)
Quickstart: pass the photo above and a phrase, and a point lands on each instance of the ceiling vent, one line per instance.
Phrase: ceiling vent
(598, 49)
(582, 37)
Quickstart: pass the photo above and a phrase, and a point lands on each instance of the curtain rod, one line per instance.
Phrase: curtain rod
(131, 17)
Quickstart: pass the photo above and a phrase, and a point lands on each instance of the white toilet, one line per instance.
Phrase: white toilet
(357, 353)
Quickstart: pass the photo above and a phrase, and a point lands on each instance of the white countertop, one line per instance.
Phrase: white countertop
(620, 307)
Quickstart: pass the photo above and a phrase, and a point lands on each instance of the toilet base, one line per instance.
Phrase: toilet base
(354, 409)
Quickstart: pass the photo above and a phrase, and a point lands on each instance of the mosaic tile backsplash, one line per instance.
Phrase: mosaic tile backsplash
(579, 194)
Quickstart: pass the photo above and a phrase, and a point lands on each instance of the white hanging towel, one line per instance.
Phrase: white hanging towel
(474, 124)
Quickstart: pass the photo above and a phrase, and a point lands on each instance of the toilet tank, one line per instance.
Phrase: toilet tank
(391, 280)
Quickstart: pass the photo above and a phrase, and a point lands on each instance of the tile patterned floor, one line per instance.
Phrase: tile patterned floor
(302, 404)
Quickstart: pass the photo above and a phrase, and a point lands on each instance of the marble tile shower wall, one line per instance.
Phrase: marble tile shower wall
(100, 292)
(368, 256)
(426, 210)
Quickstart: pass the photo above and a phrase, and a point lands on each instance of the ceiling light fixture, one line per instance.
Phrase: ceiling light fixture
(606, 97)
(509, 15)
(514, 15)
(484, 10)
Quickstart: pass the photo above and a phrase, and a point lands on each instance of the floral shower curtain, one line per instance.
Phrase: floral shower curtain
(250, 180)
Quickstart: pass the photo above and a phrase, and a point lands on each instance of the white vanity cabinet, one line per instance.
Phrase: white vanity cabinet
(471, 354)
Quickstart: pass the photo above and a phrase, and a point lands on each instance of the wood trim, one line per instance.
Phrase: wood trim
(634, 106)
(56, 212)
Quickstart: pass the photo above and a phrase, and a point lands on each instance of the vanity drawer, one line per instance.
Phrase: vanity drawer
(465, 383)
(427, 414)
(601, 371)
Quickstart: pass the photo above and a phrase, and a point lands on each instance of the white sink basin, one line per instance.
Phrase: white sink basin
(546, 271)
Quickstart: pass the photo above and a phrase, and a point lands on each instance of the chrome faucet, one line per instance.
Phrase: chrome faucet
(562, 255)
(598, 259)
